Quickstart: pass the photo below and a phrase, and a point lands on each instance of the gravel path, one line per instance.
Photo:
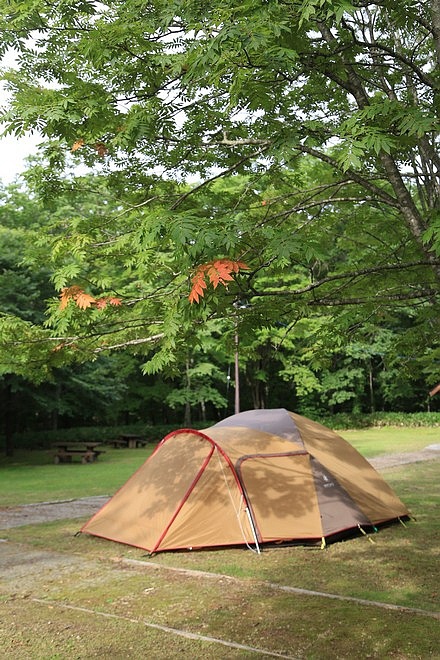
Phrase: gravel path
(30, 514)
(394, 460)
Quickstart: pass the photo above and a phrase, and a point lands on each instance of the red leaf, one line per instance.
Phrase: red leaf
(68, 293)
(81, 298)
(193, 297)
(84, 300)
(198, 285)
(217, 272)
(102, 303)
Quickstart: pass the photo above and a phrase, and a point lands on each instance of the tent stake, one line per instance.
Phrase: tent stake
(366, 535)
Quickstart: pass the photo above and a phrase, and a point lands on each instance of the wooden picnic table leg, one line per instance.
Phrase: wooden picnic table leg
(62, 457)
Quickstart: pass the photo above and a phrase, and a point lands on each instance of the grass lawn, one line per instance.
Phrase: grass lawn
(98, 605)
(32, 476)
(390, 440)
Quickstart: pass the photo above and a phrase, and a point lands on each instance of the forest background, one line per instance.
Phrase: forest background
(256, 180)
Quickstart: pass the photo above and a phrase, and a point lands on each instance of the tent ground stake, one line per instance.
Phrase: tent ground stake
(367, 535)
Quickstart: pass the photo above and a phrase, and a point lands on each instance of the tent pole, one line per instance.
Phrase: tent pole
(254, 533)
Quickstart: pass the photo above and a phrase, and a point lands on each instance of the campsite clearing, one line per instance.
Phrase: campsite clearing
(68, 596)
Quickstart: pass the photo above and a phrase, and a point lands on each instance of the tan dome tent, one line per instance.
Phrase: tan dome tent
(261, 476)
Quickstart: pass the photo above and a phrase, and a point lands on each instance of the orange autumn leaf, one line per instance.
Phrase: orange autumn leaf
(217, 272)
(77, 145)
(68, 293)
(84, 300)
(81, 298)
(58, 347)
(198, 285)
(101, 303)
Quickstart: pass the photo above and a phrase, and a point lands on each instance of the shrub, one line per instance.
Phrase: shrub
(44, 439)
(154, 434)
(341, 421)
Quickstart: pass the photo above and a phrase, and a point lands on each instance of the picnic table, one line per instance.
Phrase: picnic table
(128, 441)
(87, 451)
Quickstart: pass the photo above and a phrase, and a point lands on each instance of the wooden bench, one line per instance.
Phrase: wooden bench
(87, 451)
(128, 441)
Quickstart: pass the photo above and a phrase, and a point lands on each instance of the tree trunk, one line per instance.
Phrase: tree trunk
(187, 415)
(371, 388)
(408, 209)
(56, 410)
(355, 86)
(435, 17)
(8, 417)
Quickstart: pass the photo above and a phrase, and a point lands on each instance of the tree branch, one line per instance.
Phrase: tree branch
(130, 342)
(217, 176)
(342, 302)
(357, 178)
(343, 276)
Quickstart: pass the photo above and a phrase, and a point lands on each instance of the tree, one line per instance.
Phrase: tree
(320, 117)
(22, 294)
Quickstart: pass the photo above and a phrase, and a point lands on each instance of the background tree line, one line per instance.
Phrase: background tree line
(295, 142)
(281, 364)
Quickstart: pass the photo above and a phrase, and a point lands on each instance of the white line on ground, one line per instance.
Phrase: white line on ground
(166, 629)
(280, 587)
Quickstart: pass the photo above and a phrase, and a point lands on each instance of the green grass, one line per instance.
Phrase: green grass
(391, 439)
(32, 476)
(401, 567)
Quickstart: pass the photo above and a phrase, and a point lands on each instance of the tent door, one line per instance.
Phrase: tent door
(281, 493)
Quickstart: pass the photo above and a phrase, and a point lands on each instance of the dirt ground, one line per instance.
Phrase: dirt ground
(31, 514)
(394, 460)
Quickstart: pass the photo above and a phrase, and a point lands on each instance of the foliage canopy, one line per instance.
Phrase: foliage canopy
(298, 138)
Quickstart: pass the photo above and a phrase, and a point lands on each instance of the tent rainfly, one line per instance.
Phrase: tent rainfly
(261, 476)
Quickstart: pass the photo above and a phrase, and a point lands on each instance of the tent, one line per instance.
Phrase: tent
(260, 476)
